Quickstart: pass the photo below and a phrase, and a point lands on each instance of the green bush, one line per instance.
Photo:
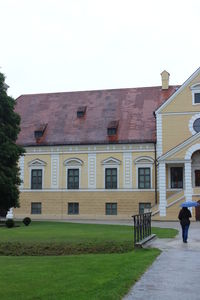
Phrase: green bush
(10, 223)
(27, 221)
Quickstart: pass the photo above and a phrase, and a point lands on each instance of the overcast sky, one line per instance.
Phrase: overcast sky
(68, 45)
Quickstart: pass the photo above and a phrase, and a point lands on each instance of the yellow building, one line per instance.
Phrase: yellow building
(110, 154)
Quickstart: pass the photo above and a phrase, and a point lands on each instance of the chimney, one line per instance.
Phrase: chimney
(165, 80)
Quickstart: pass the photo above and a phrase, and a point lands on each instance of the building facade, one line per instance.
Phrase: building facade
(110, 154)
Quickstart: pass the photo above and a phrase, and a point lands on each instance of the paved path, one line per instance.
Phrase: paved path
(176, 272)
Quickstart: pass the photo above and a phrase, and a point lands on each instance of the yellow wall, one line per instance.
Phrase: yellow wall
(91, 204)
(183, 102)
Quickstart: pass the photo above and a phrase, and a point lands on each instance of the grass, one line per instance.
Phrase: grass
(99, 276)
(54, 238)
(88, 276)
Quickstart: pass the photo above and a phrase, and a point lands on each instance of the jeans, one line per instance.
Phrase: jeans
(185, 232)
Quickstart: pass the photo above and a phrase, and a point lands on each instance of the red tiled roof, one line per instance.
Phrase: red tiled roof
(132, 107)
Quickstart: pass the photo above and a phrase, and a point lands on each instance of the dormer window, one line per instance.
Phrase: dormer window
(39, 132)
(195, 94)
(81, 111)
(112, 128)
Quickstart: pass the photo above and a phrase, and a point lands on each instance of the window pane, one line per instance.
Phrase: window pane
(196, 125)
(177, 177)
(73, 208)
(36, 179)
(197, 97)
(73, 179)
(111, 208)
(143, 207)
(36, 208)
(144, 179)
(141, 171)
(111, 178)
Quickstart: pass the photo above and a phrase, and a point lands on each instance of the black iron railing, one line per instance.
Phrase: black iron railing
(142, 227)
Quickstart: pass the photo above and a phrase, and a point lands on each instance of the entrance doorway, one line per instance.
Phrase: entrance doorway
(197, 177)
(197, 212)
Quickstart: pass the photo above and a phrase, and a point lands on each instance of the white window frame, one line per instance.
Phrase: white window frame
(138, 166)
(36, 164)
(139, 162)
(104, 179)
(195, 88)
(73, 163)
(110, 163)
(79, 183)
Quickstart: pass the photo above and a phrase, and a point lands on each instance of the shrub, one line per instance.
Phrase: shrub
(10, 223)
(27, 221)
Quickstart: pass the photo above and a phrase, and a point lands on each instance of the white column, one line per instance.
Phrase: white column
(21, 166)
(54, 171)
(127, 170)
(159, 134)
(92, 170)
(10, 214)
(162, 189)
(188, 181)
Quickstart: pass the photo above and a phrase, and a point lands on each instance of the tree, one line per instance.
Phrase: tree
(9, 150)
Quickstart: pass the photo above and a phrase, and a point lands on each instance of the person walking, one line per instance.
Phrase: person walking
(184, 217)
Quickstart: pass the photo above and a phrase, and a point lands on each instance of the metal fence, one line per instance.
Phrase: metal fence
(142, 226)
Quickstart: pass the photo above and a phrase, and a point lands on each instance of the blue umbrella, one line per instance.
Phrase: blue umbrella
(189, 204)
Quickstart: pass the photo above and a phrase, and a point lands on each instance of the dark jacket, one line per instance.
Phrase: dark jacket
(184, 216)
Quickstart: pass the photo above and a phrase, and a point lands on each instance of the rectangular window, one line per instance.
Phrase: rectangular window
(144, 207)
(197, 98)
(144, 178)
(111, 208)
(111, 178)
(36, 179)
(36, 208)
(176, 178)
(73, 179)
(73, 208)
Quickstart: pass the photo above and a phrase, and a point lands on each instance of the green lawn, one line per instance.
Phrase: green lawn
(94, 276)
(61, 232)
(88, 276)
(54, 238)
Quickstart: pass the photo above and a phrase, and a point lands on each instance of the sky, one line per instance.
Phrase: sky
(73, 45)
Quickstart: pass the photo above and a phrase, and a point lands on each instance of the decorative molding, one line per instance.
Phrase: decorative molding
(73, 162)
(159, 134)
(111, 161)
(188, 181)
(84, 149)
(91, 170)
(162, 189)
(54, 171)
(127, 170)
(21, 166)
(37, 163)
(191, 122)
(87, 190)
(144, 160)
(191, 150)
